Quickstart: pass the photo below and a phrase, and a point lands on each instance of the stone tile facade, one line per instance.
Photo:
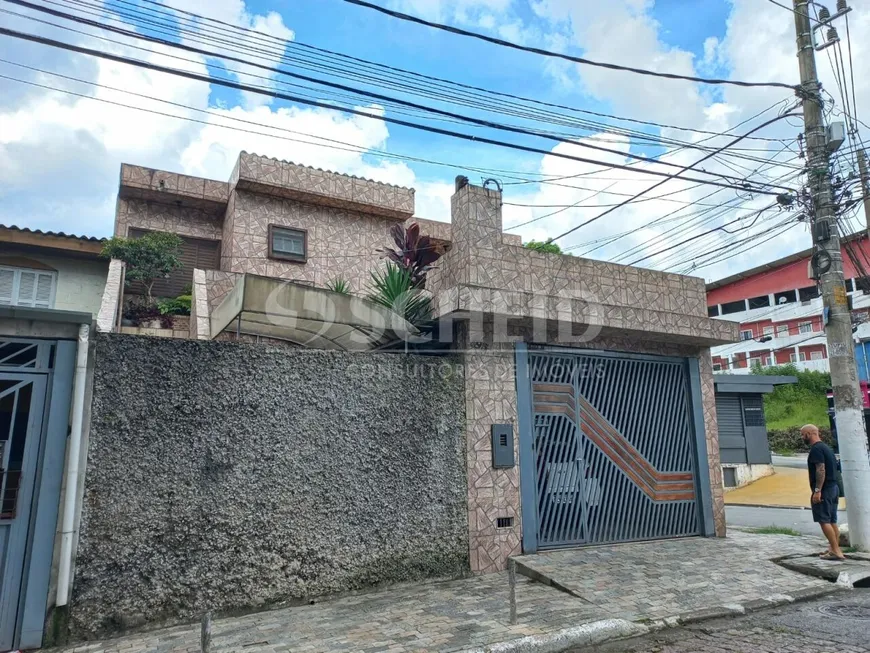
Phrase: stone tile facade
(508, 294)
(347, 219)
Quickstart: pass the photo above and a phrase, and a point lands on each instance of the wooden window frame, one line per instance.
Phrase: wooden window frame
(288, 258)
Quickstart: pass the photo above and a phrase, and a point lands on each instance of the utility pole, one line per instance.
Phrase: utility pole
(865, 184)
(849, 404)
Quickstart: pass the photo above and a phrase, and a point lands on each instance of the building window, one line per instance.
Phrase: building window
(849, 286)
(792, 357)
(746, 334)
(785, 297)
(768, 330)
(816, 356)
(717, 367)
(288, 244)
(713, 311)
(26, 287)
(782, 330)
(863, 284)
(734, 307)
(803, 355)
(805, 327)
(759, 302)
(809, 293)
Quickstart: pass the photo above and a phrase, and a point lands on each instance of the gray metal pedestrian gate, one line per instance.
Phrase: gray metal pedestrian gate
(608, 448)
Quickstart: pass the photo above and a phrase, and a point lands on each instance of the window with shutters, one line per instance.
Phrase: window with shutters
(196, 253)
(26, 287)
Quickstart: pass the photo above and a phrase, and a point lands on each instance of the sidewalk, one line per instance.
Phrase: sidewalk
(787, 488)
(619, 590)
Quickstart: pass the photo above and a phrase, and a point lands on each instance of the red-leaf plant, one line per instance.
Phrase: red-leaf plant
(414, 253)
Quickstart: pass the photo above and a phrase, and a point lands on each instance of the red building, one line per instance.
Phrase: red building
(780, 311)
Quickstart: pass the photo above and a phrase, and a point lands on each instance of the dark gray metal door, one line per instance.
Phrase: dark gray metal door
(613, 447)
(22, 398)
(755, 428)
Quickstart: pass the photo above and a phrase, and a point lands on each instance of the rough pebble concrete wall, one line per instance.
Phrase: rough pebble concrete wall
(226, 477)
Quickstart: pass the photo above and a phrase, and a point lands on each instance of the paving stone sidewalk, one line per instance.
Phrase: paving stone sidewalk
(632, 581)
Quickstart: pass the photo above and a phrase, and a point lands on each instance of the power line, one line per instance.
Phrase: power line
(381, 66)
(669, 177)
(559, 55)
(349, 147)
(706, 233)
(499, 106)
(367, 94)
(295, 98)
(778, 4)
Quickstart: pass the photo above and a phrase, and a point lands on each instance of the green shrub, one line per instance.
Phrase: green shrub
(153, 256)
(544, 247)
(789, 440)
(175, 306)
(794, 405)
(339, 285)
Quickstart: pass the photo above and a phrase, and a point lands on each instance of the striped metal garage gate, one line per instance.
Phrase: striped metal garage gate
(610, 448)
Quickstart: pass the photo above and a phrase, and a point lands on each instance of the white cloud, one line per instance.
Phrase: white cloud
(458, 11)
(60, 155)
(267, 46)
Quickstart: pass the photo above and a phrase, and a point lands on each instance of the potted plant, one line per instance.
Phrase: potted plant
(149, 258)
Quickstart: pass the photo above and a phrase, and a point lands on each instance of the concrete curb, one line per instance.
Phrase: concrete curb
(589, 634)
(598, 632)
(762, 505)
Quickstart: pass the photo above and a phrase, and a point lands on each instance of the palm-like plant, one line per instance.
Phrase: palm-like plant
(414, 253)
(394, 288)
(339, 285)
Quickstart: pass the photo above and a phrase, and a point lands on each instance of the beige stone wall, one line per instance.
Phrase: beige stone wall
(341, 243)
(157, 216)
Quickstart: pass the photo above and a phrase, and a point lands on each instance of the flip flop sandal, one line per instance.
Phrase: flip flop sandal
(832, 557)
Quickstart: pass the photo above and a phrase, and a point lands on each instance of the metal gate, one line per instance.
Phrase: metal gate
(21, 411)
(613, 448)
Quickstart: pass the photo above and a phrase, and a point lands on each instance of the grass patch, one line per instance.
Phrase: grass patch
(801, 403)
(775, 530)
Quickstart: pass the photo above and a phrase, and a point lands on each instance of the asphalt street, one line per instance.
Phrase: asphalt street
(751, 516)
(839, 622)
(798, 461)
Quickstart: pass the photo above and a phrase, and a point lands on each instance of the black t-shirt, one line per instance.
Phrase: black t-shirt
(821, 453)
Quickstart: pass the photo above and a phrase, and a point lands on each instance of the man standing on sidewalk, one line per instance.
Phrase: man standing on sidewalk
(826, 493)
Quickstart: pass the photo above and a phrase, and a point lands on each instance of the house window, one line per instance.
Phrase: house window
(713, 311)
(26, 287)
(768, 330)
(863, 284)
(805, 327)
(792, 357)
(849, 286)
(746, 334)
(803, 355)
(782, 330)
(717, 367)
(816, 356)
(288, 244)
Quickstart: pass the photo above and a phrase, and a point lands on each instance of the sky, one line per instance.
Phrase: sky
(68, 120)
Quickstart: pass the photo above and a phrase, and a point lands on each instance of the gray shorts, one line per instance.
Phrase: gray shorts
(825, 512)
